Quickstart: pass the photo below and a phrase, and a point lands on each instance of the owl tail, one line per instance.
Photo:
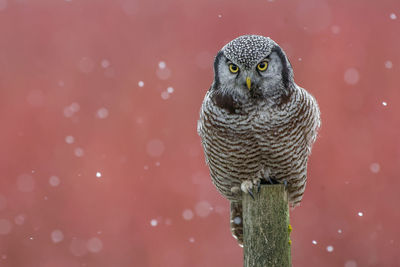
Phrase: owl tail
(237, 221)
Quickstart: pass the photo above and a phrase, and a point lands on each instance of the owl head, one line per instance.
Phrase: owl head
(251, 67)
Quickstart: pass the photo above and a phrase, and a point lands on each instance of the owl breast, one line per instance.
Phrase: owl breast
(257, 141)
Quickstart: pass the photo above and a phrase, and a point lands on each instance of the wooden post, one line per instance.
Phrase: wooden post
(266, 228)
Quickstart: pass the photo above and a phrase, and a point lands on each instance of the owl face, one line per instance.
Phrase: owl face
(251, 67)
(259, 79)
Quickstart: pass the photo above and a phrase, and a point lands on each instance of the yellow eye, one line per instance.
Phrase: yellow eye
(233, 68)
(262, 66)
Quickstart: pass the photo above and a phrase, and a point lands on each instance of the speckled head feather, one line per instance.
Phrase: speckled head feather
(248, 50)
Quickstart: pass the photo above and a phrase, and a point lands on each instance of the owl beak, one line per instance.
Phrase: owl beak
(248, 83)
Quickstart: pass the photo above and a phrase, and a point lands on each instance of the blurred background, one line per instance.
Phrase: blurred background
(100, 161)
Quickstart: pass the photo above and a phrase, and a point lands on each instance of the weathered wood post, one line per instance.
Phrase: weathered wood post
(266, 228)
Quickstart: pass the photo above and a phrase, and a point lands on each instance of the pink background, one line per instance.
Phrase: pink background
(71, 107)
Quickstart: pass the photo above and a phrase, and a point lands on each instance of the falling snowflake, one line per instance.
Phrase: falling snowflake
(94, 245)
(105, 63)
(78, 247)
(155, 148)
(374, 167)
(19, 219)
(57, 236)
(102, 113)
(187, 214)
(70, 110)
(203, 209)
(69, 139)
(170, 90)
(164, 95)
(351, 76)
(162, 65)
(350, 263)
(163, 73)
(335, 29)
(86, 65)
(329, 248)
(388, 64)
(79, 152)
(54, 181)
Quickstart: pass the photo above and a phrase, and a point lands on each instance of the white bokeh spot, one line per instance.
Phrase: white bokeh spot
(155, 148)
(351, 76)
(105, 63)
(187, 214)
(329, 248)
(19, 219)
(94, 245)
(375, 167)
(69, 139)
(388, 64)
(57, 236)
(102, 113)
(54, 181)
(350, 263)
(203, 209)
(79, 152)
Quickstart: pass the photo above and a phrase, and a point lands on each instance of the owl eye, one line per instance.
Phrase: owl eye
(233, 68)
(262, 66)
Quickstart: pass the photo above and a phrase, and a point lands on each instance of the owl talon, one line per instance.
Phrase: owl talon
(251, 193)
(247, 187)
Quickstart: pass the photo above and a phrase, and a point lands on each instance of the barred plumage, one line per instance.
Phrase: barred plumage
(258, 133)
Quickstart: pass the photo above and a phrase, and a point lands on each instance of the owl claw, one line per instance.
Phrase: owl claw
(251, 193)
(247, 187)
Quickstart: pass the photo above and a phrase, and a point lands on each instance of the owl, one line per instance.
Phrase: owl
(256, 124)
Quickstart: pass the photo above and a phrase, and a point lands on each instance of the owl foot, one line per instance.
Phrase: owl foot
(285, 183)
(247, 186)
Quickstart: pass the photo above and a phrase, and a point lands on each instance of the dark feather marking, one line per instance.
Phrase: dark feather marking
(285, 75)
(225, 101)
(216, 75)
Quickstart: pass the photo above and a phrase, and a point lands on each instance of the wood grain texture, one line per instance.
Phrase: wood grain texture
(265, 223)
